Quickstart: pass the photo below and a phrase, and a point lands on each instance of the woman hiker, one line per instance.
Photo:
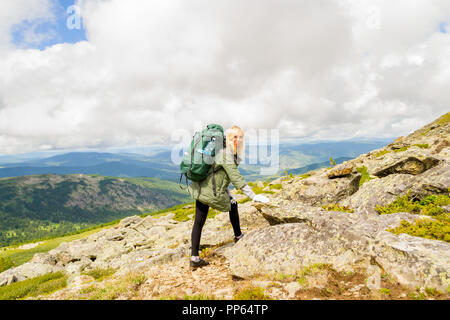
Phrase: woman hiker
(225, 171)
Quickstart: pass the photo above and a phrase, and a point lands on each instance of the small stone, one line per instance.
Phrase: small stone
(340, 173)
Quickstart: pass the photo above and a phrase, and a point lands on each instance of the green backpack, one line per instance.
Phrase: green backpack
(199, 158)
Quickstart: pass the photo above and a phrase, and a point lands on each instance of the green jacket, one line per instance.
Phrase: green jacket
(225, 171)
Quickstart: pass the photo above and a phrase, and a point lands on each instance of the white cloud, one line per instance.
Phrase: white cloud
(14, 12)
(315, 69)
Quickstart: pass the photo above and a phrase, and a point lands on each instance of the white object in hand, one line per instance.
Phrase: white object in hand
(261, 198)
(248, 191)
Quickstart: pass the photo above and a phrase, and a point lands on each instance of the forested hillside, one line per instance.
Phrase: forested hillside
(35, 207)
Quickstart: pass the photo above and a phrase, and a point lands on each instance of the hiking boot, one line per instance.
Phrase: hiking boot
(236, 239)
(199, 264)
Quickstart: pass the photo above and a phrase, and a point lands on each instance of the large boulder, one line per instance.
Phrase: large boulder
(319, 190)
(299, 237)
(415, 262)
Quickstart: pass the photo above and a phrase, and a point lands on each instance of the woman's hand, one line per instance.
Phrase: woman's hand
(232, 198)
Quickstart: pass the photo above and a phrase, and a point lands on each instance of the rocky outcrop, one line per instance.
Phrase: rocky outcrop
(409, 162)
(379, 192)
(385, 190)
(319, 189)
(300, 236)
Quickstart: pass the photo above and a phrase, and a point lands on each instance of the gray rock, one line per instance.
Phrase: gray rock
(286, 248)
(44, 258)
(129, 221)
(319, 190)
(414, 261)
(349, 242)
(385, 190)
(379, 192)
(413, 161)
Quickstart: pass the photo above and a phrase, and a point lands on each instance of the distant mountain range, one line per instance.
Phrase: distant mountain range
(158, 164)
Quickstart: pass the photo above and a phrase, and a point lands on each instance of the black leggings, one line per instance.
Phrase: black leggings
(201, 211)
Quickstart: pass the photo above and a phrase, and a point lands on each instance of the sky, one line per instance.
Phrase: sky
(114, 73)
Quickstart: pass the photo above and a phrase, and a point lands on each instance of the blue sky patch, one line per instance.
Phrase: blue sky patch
(443, 27)
(40, 34)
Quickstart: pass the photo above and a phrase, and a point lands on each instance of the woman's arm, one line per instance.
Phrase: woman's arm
(239, 182)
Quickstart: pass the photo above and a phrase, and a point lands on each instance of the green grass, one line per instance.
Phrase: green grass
(416, 296)
(290, 175)
(385, 291)
(402, 149)
(313, 269)
(430, 205)
(258, 190)
(435, 230)
(336, 207)
(422, 146)
(5, 263)
(438, 229)
(20, 256)
(100, 274)
(167, 210)
(300, 275)
(244, 200)
(381, 153)
(251, 293)
(170, 189)
(34, 287)
(277, 186)
(127, 286)
(365, 176)
(182, 214)
(444, 119)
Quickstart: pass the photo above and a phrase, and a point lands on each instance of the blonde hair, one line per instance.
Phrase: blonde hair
(233, 131)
